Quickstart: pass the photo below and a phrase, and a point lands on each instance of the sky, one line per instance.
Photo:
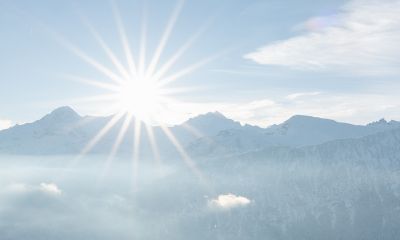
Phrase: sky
(266, 59)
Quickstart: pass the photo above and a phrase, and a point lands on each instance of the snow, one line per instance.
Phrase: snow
(63, 131)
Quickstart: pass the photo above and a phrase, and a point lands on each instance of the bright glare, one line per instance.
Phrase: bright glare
(140, 97)
(138, 91)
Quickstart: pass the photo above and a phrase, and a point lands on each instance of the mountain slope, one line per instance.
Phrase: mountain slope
(295, 132)
(380, 151)
(63, 131)
(54, 133)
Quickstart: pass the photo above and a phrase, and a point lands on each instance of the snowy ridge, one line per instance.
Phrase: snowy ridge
(63, 131)
(298, 131)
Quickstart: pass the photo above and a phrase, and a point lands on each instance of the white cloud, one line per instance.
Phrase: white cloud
(318, 23)
(47, 188)
(50, 188)
(228, 201)
(363, 39)
(356, 108)
(352, 108)
(4, 124)
(294, 96)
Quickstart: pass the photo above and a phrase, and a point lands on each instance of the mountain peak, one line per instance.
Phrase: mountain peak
(212, 120)
(381, 121)
(383, 124)
(64, 113)
(213, 114)
(210, 116)
(63, 110)
(305, 118)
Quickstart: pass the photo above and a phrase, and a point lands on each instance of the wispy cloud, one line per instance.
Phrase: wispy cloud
(301, 94)
(46, 188)
(228, 201)
(357, 108)
(362, 39)
(353, 108)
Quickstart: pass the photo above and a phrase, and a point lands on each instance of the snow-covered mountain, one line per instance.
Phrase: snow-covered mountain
(63, 131)
(297, 131)
(56, 132)
(380, 150)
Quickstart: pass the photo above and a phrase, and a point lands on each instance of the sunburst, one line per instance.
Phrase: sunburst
(139, 92)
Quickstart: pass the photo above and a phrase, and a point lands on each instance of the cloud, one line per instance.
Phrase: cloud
(50, 188)
(4, 124)
(47, 188)
(228, 201)
(294, 96)
(318, 23)
(352, 108)
(356, 108)
(362, 39)
(17, 188)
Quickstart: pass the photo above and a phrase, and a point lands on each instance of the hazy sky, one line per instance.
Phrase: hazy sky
(272, 58)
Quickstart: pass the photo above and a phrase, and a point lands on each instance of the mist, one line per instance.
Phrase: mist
(61, 197)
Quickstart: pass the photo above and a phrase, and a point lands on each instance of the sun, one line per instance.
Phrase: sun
(138, 89)
(141, 97)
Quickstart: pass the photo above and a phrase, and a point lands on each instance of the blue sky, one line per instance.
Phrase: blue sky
(273, 59)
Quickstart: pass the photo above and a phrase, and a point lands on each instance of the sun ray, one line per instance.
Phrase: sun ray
(153, 143)
(74, 49)
(102, 133)
(142, 48)
(121, 134)
(175, 90)
(138, 91)
(136, 149)
(101, 68)
(186, 158)
(92, 82)
(118, 65)
(184, 71)
(96, 98)
(164, 38)
(165, 67)
(197, 133)
(125, 42)
(88, 147)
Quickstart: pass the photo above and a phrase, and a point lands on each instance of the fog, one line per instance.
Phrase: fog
(63, 198)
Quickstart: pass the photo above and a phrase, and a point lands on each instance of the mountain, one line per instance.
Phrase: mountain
(380, 150)
(297, 131)
(208, 124)
(54, 133)
(211, 123)
(63, 131)
(302, 130)
(344, 188)
(348, 188)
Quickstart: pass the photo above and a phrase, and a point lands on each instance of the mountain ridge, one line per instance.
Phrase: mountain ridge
(65, 131)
